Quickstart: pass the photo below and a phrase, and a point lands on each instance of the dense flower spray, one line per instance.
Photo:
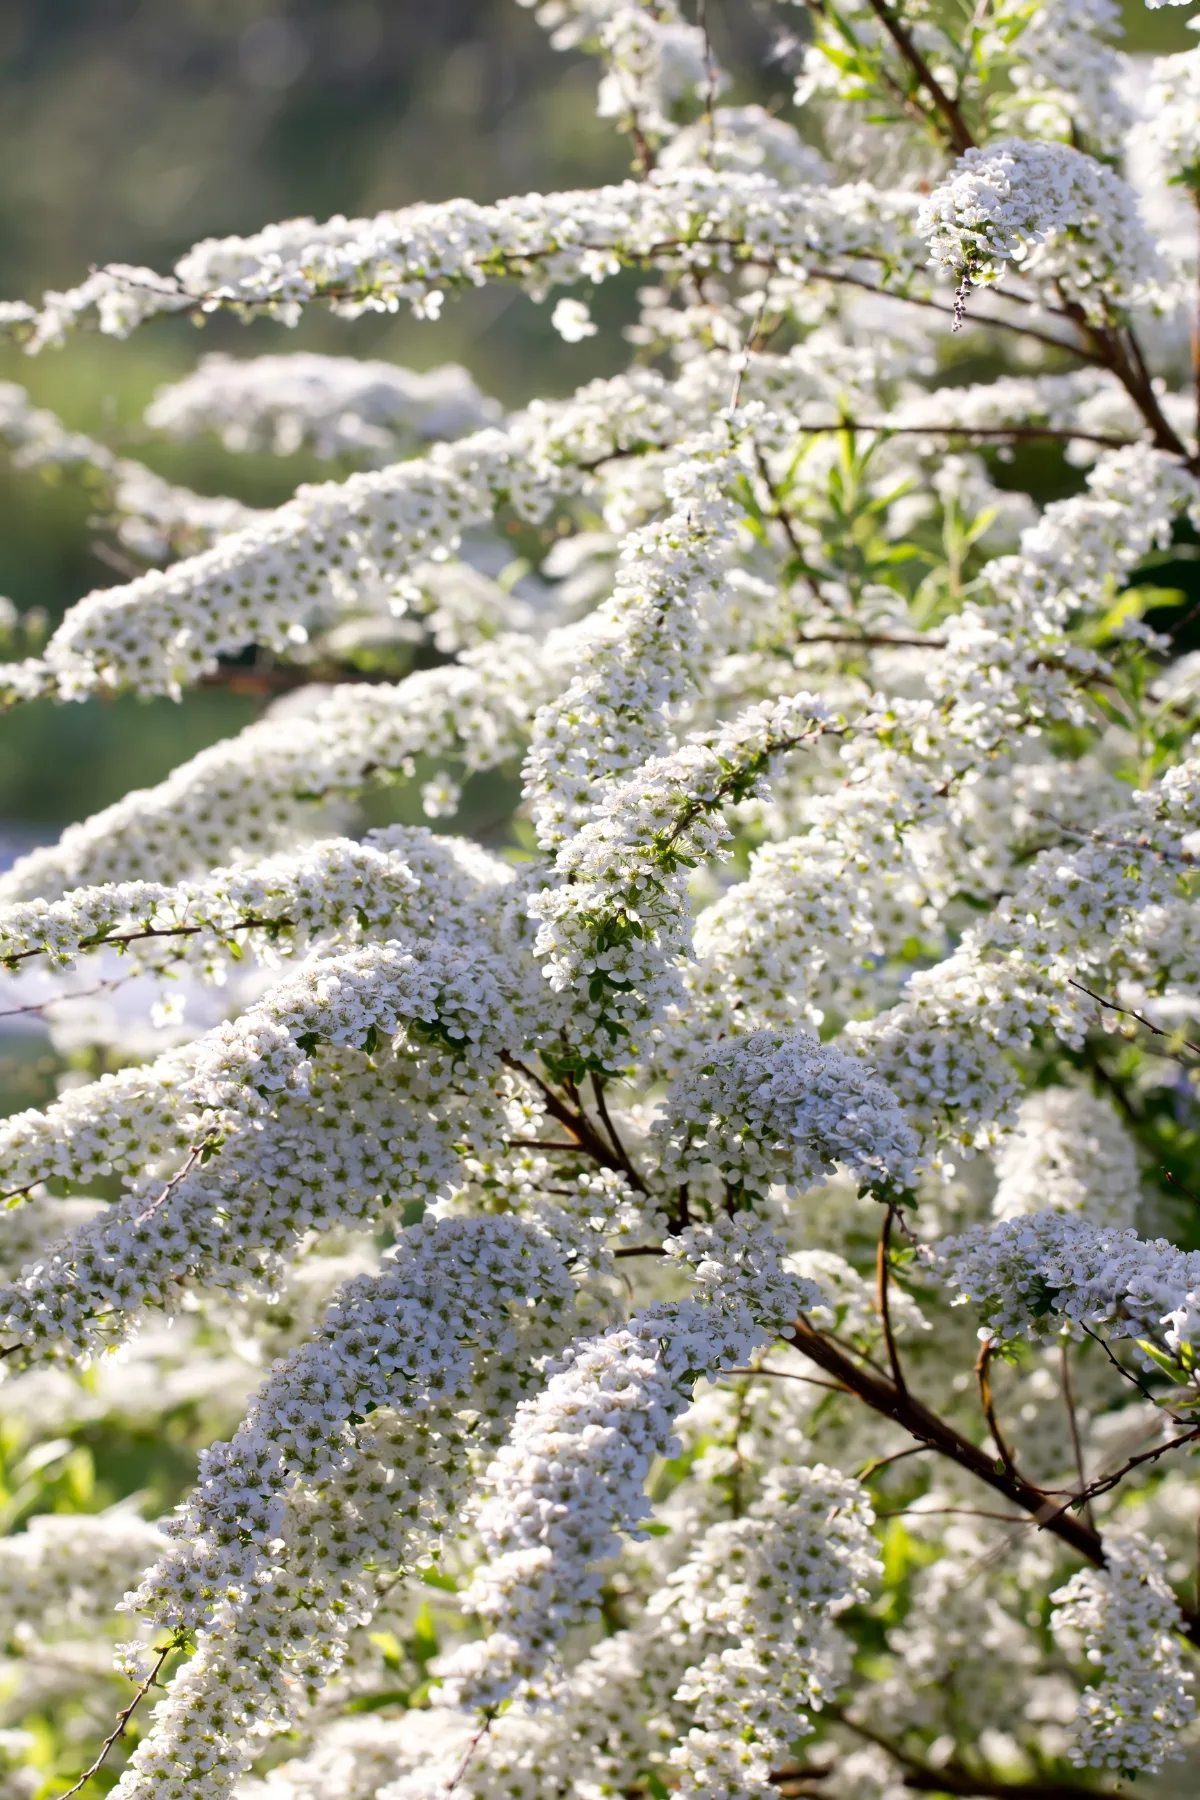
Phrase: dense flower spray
(696, 1293)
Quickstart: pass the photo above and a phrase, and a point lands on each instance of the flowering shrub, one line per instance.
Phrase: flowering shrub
(693, 1293)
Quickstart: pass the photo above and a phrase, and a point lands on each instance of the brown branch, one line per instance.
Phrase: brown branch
(193, 1157)
(843, 276)
(874, 640)
(882, 1301)
(1108, 1482)
(885, 1398)
(541, 1144)
(123, 1718)
(1057, 433)
(1143, 843)
(955, 1778)
(1072, 1419)
(956, 126)
(87, 993)
(885, 1462)
(577, 1123)
(835, 1387)
(602, 1109)
(1129, 1012)
(102, 941)
(989, 1409)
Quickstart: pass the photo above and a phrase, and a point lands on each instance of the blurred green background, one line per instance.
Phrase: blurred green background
(131, 128)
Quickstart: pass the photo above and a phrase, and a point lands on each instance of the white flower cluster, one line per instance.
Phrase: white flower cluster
(1068, 1153)
(613, 927)
(332, 886)
(65, 1574)
(258, 792)
(328, 546)
(782, 1108)
(1066, 77)
(644, 653)
(1055, 213)
(693, 217)
(1170, 124)
(773, 1581)
(1055, 1275)
(351, 1453)
(1130, 1719)
(274, 1137)
(534, 1188)
(335, 405)
(655, 60)
(574, 1470)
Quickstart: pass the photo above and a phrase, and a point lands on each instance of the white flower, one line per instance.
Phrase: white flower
(572, 321)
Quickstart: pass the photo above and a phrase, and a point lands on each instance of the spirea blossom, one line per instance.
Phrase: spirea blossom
(1068, 1152)
(1129, 1620)
(781, 1107)
(555, 1239)
(1050, 210)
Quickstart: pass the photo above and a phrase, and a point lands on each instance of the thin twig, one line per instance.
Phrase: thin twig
(193, 1157)
(1058, 434)
(882, 1300)
(961, 1512)
(513, 1143)
(467, 1755)
(883, 1397)
(123, 1718)
(87, 993)
(576, 1122)
(955, 125)
(843, 276)
(118, 940)
(872, 640)
(835, 1387)
(1129, 1012)
(885, 1462)
(710, 82)
(989, 1409)
(602, 1109)
(955, 1778)
(1064, 1364)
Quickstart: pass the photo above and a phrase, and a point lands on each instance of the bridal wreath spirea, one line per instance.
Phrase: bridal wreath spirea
(680, 1275)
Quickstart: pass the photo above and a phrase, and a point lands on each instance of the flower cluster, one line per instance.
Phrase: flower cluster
(772, 1582)
(528, 1238)
(335, 404)
(1170, 127)
(575, 1467)
(1055, 1274)
(1055, 213)
(1129, 1621)
(354, 1442)
(780, 1107)
(1068, 1153)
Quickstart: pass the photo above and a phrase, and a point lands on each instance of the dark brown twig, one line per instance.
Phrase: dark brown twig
(576, 1122)
(986, 1401)
(123, 1718)
(882, 1301)
(885, 1462)
(1129, 1012)
(956, 129)
(1064, 1363)
(885, 1398)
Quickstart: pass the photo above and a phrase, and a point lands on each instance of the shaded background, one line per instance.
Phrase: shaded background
(131, 128)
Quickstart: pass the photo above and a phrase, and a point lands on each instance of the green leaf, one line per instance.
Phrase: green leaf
(1167, 1364)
